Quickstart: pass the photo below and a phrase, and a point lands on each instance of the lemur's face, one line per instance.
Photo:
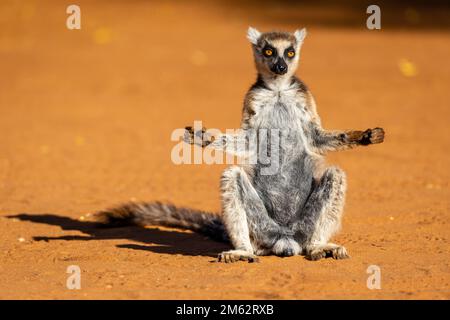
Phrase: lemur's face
(276, 53)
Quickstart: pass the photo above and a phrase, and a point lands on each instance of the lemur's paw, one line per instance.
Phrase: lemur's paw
(286, 247)
(315, 255)
(200, 137)
(329, 251)
(372, 136)
(377, 135)
(236, 255)
(339, 253)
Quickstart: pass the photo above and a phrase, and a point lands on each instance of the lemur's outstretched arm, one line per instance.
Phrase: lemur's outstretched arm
(239, 143)
(323, 141)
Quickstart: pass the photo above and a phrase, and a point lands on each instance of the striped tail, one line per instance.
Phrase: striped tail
(157, 213)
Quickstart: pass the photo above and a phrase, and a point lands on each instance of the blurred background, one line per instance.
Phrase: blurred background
(83, 110)
(86, 115)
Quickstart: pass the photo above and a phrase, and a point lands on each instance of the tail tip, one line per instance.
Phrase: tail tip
(115, 217)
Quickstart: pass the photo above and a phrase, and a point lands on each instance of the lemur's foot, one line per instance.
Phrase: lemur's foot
(286, 247)
(236, 255)
(201, 137)
(330, 250)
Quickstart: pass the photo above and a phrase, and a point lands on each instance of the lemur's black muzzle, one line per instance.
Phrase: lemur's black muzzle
(280, 67)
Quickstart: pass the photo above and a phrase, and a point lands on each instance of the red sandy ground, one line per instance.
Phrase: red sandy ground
(86, 118)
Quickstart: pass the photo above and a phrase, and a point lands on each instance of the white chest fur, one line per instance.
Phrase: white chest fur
(284, 109)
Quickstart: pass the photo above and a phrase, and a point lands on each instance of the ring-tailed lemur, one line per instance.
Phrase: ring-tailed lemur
(295, 210)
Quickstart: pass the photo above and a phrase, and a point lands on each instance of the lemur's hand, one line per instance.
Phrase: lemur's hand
(375, 135)
(370, 136)
(200, 138)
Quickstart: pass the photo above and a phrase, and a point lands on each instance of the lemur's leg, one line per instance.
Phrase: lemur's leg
(251, 230)
(327, 199)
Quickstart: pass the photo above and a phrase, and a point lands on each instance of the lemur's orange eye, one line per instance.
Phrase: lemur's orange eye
(268, 52)
(290, 54)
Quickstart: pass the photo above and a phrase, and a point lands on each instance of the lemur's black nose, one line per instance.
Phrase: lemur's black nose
(280, 67)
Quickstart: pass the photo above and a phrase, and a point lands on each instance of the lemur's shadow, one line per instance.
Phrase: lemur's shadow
(159, 241)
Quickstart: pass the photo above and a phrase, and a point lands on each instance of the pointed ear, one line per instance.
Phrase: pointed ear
(253, 35)
(300, 35)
